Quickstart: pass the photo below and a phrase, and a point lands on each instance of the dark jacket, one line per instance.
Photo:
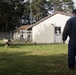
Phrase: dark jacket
(70, 29)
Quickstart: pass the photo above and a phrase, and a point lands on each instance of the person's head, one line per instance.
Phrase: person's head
(74, 12)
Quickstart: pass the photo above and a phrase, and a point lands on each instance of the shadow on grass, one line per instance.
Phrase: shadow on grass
(20, 63)
(26, 45)
(19, 45)
(16, 45)
(1, 45)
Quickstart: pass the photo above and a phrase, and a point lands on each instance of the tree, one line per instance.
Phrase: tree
(40, 8)
(14, 13)
(11, 11)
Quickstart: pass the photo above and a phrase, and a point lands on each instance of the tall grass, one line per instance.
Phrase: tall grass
(30, 59)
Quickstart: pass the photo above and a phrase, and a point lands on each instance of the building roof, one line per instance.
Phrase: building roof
(24, 27)
(28, 27)
(67, 14)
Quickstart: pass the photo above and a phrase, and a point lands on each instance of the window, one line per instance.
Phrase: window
(57, 30)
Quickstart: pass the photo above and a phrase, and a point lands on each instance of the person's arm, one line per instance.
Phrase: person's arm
(67, 30)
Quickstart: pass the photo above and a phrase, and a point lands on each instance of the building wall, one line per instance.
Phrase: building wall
(44, 31)
(43, 34)
(22, 35)
(18, 34)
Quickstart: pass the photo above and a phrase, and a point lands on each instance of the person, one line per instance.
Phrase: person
(70, 30)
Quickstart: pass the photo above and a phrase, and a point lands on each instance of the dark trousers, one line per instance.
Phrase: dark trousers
(71, 53)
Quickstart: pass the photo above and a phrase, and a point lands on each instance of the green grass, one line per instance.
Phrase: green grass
(30, 59)
(1, 42)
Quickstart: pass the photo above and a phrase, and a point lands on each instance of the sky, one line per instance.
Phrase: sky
(75, 3)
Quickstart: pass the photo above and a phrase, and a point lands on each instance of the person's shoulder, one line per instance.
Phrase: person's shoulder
(72, 18)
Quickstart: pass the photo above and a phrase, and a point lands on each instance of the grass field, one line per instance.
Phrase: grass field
(30, 59)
